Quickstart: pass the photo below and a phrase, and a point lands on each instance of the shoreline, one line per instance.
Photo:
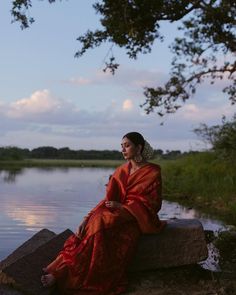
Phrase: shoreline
(199, 181)
(59, 163)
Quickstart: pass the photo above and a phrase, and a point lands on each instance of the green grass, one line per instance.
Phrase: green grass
(204, 182)
(59, 163)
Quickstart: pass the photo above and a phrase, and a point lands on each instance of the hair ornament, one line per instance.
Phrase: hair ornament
(148, 151)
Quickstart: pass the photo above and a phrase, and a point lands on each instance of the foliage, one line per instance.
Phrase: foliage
(50, 164)
(171, 154)
(19, 12)
(226, 244)
(13, 153)
(221, 137)
(208, 34)
(202, 181)
(49, 152)
(45, 152)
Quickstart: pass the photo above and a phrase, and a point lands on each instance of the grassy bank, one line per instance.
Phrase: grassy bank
(59, 163)
(204, 182)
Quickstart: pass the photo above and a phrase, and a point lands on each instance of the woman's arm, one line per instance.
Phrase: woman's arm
(113, 204)
(80, 231)
(110, 201)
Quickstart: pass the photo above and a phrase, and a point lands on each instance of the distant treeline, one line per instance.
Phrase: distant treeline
(49, 152)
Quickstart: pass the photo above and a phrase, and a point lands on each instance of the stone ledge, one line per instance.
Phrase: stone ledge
(27, 270)
(28, 247)
(182, 242)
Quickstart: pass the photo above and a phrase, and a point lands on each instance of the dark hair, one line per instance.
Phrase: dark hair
(136, 138)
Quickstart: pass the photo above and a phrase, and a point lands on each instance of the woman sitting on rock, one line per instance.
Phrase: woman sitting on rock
(94, 260)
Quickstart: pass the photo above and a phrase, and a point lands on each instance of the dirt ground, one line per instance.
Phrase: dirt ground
(4, 290)
(191, 280)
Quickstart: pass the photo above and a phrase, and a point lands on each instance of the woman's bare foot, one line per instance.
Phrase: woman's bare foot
(44, 270)
(48, 280)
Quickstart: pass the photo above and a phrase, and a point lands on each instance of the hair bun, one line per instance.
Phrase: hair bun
(148, 151)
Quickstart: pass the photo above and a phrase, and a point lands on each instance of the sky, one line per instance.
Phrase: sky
(50, 98)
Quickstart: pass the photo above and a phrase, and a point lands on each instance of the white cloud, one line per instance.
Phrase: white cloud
(79, 81)
(43, 119)
(3, 107)
(127, 105)
(38, 103)
(124, 76)
(197, 113)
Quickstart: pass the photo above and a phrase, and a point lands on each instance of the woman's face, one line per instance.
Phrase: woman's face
(129, 149)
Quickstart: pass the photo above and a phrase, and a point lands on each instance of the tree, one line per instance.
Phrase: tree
(14, 153)
(221, 137)
(208, 33)
(45, 152)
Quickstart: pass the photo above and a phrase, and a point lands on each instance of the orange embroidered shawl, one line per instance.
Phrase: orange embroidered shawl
(84, 266)
(139, 194)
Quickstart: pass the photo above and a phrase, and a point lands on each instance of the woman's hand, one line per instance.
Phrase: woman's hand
(112, 204)
(81, 228)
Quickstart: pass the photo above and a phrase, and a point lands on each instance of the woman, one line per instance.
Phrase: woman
(95, 258)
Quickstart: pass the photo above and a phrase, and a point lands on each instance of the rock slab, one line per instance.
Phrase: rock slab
(25, 273)
(181, 242)
(28, 247)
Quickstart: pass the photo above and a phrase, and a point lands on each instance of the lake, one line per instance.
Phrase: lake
(58, 198)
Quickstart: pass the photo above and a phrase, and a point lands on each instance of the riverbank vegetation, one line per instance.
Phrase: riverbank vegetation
(63, 163)
(12, 153)
(203, 180)
(207, 180)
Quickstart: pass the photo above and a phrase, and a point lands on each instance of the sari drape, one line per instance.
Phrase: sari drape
(95, 263)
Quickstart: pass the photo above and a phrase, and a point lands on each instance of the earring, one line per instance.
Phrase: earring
(138, 158)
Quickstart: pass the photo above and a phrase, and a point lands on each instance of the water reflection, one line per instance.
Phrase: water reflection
(46, 198)
(10, 175)
(175, 210)
(35, 198)
(32, 216)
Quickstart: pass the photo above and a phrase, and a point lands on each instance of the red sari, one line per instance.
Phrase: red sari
(96, 262)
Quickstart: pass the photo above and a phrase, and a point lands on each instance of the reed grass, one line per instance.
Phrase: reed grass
(202, 181)
(59, 163)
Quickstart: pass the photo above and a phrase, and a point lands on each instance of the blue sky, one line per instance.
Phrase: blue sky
(47, 97)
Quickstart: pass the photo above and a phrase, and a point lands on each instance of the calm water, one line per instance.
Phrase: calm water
(33, 198)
